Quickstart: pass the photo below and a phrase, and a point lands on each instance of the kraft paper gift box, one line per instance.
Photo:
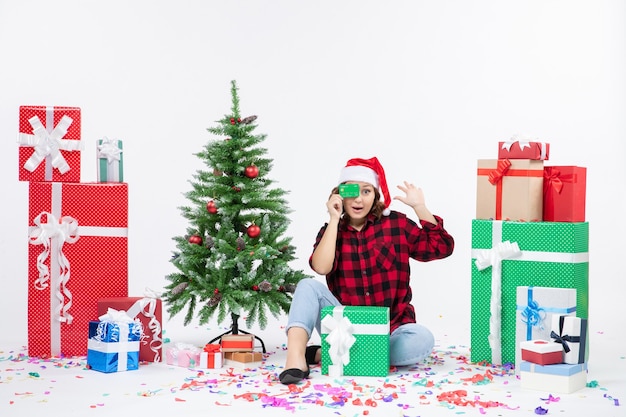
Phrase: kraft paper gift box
(113, 344)
(564, 193)
(507, 255)
(237, 343)
(184, 355)
(541, 352)
(243, 359)
(211, 357)
(509, 189)
(78, 254)
(523, 149)
(110, 160)
(571, 333)
(355, 341)
(149, 311)
(535, 308)
(560, 378)
(50, 144)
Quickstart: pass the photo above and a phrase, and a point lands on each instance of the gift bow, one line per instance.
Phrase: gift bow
(340, 338)
(65, 230)
(533, 315)
(524, 142)
(496, 175)
(108, 149)
(48, 144)
(211, 348)
(552, 177)
(492, 257)
(563, 339)
(116, 316)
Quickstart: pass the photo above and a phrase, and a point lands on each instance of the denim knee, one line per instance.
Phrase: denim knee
(410, 343)
(309, 298)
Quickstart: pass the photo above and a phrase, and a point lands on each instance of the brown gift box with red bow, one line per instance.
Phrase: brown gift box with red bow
(509, 189)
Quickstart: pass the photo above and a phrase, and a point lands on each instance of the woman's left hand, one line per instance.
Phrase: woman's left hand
(414, 195)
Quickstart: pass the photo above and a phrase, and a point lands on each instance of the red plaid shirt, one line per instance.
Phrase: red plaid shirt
(372, 268)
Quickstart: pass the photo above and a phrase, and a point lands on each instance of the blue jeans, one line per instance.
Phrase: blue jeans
(409, 344)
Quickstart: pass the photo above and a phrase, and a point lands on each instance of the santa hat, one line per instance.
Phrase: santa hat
(370, 171)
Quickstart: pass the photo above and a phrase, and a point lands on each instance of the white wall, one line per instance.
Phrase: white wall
(427, 86)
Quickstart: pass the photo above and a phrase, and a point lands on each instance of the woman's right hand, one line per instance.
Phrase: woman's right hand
(334, 205)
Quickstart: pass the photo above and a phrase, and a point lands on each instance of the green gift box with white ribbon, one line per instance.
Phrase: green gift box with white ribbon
(110, 160)
(355, 341)
(508, 254)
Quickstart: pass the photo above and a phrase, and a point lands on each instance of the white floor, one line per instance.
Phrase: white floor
(64, 387)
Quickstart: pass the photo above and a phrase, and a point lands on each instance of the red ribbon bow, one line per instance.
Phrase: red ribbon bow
(552, 179)
(497, 174)
(211, 348)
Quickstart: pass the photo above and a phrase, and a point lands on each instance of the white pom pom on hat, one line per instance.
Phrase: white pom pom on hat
(370, 171)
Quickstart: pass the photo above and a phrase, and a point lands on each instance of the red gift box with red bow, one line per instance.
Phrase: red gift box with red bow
(564, 193)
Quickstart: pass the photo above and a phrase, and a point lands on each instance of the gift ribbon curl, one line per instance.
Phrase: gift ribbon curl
(149, 301)
(62, 231)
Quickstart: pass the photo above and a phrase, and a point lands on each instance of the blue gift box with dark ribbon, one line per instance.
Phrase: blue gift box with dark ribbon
(113, 344)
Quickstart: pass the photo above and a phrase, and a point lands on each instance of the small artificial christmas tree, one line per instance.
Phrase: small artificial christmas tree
(235, 257)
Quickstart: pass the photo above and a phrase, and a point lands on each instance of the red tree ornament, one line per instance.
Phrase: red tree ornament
(252, 171)
(195, 240)
(211, 207)
(255, 287)
(253, 231)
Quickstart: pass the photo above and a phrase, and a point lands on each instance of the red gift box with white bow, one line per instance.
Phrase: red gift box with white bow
(148, 310)
(78, 254)
(50, 144)
(521, 148)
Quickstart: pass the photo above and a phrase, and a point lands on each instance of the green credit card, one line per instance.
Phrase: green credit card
(349, 190)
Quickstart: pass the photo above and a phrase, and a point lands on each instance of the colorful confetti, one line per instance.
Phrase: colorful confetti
(447, 382)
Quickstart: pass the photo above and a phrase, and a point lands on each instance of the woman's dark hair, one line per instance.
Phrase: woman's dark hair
(377, 208)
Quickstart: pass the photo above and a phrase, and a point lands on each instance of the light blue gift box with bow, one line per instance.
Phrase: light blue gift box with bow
(536, 306)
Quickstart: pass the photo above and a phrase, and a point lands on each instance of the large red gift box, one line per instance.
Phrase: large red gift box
(509, 190)
(564, 193)
(149, 311)
(78, 254)
(517, 149)
(49, 139)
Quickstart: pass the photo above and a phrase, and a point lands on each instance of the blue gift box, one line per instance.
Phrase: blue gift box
(563, 377)
(113, 346)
